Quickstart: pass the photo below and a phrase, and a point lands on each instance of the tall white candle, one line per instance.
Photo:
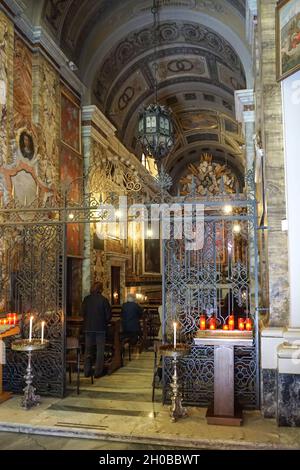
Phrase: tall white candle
(30, 328)
(42, 334)
(175, 331)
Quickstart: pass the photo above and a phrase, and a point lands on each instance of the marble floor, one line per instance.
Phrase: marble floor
(118, 411)
(19, 441)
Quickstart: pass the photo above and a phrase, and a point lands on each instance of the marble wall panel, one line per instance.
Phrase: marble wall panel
(288, 400)
(269, 393)
(270, 125)
(46, 112)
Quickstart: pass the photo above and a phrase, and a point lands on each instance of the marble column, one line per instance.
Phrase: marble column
(269, 129)
(291, 106)
(288, 406)
(245, 114)
(271, 338)
(86, 264)
(269, 124)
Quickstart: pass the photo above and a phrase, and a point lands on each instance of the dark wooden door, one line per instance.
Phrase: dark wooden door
(115, 285)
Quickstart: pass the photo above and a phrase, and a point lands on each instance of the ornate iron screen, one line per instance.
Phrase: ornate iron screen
(33, 266)
(32, 282)
(217, 280)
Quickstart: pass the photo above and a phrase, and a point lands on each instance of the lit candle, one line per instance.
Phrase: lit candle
(225, 327)
(30, 328)
(42, 334)
(212, 323)
(175, 328)
(231, 322)
(241, 323)
(203, 322)
(248, 324)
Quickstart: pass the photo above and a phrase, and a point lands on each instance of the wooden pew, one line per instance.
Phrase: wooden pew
(112, 344)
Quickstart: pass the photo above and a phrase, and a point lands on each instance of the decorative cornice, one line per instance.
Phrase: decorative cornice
(96, 126)
(93, 115)
(38, 37)
(244, 106)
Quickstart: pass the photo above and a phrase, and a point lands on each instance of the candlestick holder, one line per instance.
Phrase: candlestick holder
(177, 410)
(30, 399)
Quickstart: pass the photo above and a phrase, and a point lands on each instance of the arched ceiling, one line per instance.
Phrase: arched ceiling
(202, 59)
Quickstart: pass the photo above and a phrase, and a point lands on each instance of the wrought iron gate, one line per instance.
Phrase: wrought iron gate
(33, 266)
(218, 279)
(32, 282)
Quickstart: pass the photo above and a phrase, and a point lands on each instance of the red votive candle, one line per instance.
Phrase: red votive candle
(241, 323)
(225, 327)
(231, 322)
(14, 318)
(9, 318)
(212, 323)
(249, 324)
(203, 322)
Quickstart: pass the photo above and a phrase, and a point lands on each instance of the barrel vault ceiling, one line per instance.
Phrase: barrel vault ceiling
(202, 58)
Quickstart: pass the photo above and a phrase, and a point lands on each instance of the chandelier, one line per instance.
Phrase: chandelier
(155, 129)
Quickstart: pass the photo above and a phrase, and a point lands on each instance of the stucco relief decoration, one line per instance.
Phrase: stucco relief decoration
(193, 4)
(208, 178)
(27, 175)
(27, 178)
(108, 173)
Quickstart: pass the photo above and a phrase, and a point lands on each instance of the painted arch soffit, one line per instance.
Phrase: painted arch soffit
(72, 21)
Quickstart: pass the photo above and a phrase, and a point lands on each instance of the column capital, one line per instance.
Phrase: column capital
(245, 105)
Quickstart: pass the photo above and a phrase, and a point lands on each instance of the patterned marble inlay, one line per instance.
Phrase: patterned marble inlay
(288, 400)
(269, 392)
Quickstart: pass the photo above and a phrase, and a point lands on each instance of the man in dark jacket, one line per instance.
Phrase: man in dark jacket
(96, 312)
(130, 314)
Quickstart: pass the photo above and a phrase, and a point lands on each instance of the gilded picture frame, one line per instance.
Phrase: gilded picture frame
(287, 38)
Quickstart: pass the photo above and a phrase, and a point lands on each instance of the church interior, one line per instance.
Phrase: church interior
(149, 258)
